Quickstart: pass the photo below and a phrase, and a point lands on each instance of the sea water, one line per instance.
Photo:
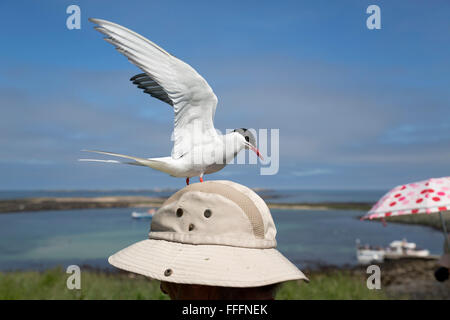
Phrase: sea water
(39, 240)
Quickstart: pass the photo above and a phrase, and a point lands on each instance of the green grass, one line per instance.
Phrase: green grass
(51, 284)
(335, 285)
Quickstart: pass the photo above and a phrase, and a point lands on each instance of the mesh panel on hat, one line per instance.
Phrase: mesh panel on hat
(244, 202)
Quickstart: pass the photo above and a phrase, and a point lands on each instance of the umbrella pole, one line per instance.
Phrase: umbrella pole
(444, 228)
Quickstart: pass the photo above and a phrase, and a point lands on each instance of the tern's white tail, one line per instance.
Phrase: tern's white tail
(160, 164)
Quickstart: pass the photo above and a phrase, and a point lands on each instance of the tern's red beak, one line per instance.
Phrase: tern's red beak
(255, 150)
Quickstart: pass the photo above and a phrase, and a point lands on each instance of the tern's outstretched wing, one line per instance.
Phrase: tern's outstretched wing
(150, 86)
(170, 80)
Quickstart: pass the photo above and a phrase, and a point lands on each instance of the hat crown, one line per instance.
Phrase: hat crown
(215, 213)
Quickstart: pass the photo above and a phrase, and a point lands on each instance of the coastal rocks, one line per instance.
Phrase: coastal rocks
(69, 203)
(413, 279)
(39, 204)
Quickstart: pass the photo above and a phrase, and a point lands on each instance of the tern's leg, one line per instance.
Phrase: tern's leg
(201, 177)
(187, 181)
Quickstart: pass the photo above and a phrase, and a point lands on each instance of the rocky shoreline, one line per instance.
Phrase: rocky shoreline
(406, 278)
(69, 203)
(44, 204)
(74, 203)
(410, 279)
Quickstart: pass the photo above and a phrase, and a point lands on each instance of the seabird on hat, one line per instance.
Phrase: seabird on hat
(216, 233)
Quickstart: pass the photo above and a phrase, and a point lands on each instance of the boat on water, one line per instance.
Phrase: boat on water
(143, 215)
(366, 254)
(405, 249)
(398, 249)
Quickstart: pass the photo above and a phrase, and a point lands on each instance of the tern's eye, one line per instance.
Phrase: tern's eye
(247, 139)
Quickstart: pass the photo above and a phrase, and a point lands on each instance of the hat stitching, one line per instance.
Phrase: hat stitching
(196, 239)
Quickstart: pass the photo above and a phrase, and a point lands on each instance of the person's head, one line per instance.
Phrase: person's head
(211, 240)
(441, 274)
(177, 291)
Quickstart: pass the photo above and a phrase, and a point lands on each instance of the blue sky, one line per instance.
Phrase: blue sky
(356, 108)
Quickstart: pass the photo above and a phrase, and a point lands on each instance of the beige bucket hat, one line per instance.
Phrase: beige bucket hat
(216, 233)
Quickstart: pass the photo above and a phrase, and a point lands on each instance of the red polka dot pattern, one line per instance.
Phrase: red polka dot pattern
(422, 197)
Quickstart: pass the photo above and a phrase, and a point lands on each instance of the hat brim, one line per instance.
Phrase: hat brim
(212, 265)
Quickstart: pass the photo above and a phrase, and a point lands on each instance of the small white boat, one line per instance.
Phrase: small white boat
(143, 215)
(367, 254)
(404, 249)
(366, 257)
(396, 250)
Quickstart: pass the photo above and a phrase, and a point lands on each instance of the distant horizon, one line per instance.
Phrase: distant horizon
(173, 188)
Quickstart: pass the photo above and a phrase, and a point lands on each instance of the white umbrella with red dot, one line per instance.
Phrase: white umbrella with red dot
(423, 197)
